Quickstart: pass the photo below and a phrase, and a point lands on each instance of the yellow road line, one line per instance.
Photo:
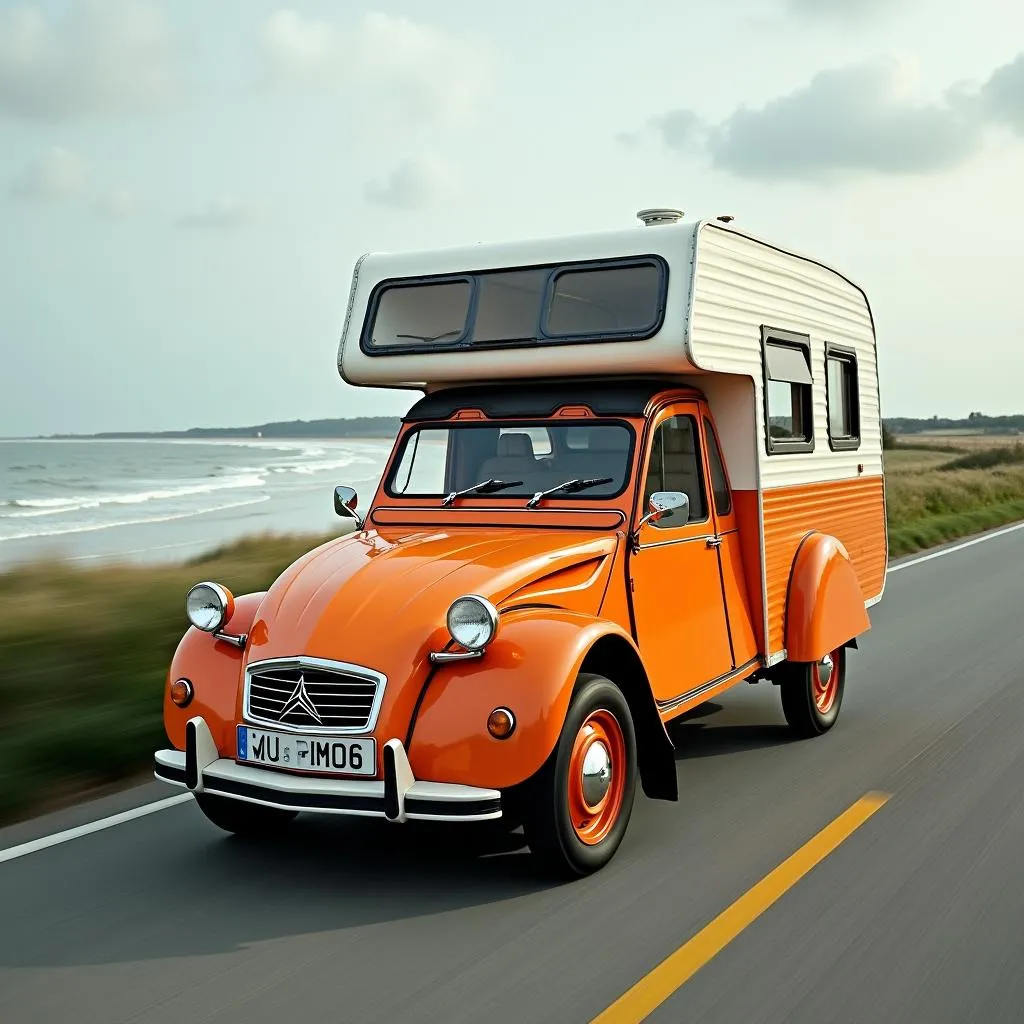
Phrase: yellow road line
(651, 991)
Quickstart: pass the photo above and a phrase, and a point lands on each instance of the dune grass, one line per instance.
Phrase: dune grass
(84, 652)
(83, 659)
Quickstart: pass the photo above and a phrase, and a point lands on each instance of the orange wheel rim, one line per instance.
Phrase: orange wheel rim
(597, 776)
(824, 691)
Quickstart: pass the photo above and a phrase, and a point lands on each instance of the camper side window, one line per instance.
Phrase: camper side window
(843, 398)
(789, 410)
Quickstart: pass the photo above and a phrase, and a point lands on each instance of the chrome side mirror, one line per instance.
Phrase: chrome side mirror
(665, 505)
(674, 505)
(345, 499)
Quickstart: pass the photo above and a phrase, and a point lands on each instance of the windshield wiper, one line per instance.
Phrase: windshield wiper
(427, 337)
(484, 487)
(568, 487)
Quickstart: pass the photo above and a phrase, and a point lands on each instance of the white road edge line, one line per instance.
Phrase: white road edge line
(956, 547)
(14, 852)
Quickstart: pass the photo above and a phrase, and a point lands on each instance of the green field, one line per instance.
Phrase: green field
(934, 496)
(85, 651)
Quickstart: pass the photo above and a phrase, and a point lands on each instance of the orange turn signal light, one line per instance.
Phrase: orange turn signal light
(181, 692)
(501, 723)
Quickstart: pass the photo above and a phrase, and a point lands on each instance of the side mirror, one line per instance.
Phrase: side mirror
(345, 499)
(674, 505)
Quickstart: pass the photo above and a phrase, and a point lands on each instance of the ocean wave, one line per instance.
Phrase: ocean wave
(32, 507)
(310, 467)
(60, 531)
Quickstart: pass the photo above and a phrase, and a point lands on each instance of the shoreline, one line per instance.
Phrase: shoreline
(317, 438)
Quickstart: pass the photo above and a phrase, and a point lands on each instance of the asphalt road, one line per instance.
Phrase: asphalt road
(916, 917)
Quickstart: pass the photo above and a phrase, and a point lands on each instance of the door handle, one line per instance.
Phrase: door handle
(714, 542)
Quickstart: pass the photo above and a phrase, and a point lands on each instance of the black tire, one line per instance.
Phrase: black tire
(544, 802)
(799, 691)
(243, 818)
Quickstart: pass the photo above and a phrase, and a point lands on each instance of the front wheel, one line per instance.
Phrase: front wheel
(812, 693)
(576, 808)
(242, 818)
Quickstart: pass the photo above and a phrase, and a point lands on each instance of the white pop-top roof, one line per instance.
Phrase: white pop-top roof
(603, 303)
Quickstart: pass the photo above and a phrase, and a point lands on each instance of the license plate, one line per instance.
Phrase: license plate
(330, 754)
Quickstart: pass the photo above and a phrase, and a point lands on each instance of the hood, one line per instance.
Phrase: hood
(380, 599)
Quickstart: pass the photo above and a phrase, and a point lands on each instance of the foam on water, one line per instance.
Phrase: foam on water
(51, 488)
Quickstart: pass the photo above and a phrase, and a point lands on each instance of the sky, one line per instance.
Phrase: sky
(185, 186)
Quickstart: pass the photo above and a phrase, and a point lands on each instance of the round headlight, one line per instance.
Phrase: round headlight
(209, 606)
(472, 622)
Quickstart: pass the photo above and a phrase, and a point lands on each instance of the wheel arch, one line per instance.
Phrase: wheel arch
(613, 657)
(825, 606)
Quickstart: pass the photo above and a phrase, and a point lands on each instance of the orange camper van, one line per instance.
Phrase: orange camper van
(645, 466)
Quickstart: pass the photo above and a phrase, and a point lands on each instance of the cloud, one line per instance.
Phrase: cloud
(841, 10)
(680, 129)
(116, 204)
(415, 183)
(1003, 95)
(849, 121)
(60, 174)
(226, 213)
(422, 71)
(108, 56)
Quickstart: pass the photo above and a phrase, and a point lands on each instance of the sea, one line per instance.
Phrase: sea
(93, 501)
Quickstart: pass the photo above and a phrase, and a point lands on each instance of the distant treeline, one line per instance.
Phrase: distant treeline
(357, 426)
(976, 422)
(387, 426)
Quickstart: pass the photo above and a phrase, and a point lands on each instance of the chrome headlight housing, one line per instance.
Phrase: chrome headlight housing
(209, 606)
(472, 622)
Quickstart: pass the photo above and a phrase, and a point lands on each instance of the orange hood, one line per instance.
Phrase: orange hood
(380, 600)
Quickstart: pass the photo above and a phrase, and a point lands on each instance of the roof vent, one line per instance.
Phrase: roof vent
(660, 216)
(726, 218)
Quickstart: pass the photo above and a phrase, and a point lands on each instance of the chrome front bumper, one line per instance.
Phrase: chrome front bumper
(398, 797)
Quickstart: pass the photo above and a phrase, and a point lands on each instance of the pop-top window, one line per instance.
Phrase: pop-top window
(532, 306)
(422, 314)
(611, 301)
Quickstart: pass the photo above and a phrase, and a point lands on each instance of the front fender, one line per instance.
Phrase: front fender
(530, 668)
(215, 669)
(825, 604)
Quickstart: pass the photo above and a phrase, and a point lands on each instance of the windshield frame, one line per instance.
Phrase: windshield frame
(541, 337)
(511, 500)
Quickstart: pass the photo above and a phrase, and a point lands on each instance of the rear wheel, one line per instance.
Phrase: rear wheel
(576, 808)
(812, 693)
(242, 818)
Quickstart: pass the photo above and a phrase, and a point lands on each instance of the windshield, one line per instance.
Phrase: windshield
(436, 461)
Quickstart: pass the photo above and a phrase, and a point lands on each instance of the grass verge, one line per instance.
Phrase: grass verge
(84, 651)
(83, 659)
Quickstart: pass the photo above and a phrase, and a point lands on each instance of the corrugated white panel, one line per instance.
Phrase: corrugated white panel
(741, 283)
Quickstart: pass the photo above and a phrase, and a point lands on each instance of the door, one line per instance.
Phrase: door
(678, 607)
(738, 602)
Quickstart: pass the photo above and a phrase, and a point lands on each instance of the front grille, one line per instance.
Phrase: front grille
(310, 695)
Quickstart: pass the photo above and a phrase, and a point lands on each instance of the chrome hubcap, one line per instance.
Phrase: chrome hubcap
(597, 773)
(825, 668)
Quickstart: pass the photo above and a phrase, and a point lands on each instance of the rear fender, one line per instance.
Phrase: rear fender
(825, 604)
(531, 668)
(214, 669)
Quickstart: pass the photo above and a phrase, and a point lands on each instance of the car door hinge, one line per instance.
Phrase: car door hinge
(714, 542)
